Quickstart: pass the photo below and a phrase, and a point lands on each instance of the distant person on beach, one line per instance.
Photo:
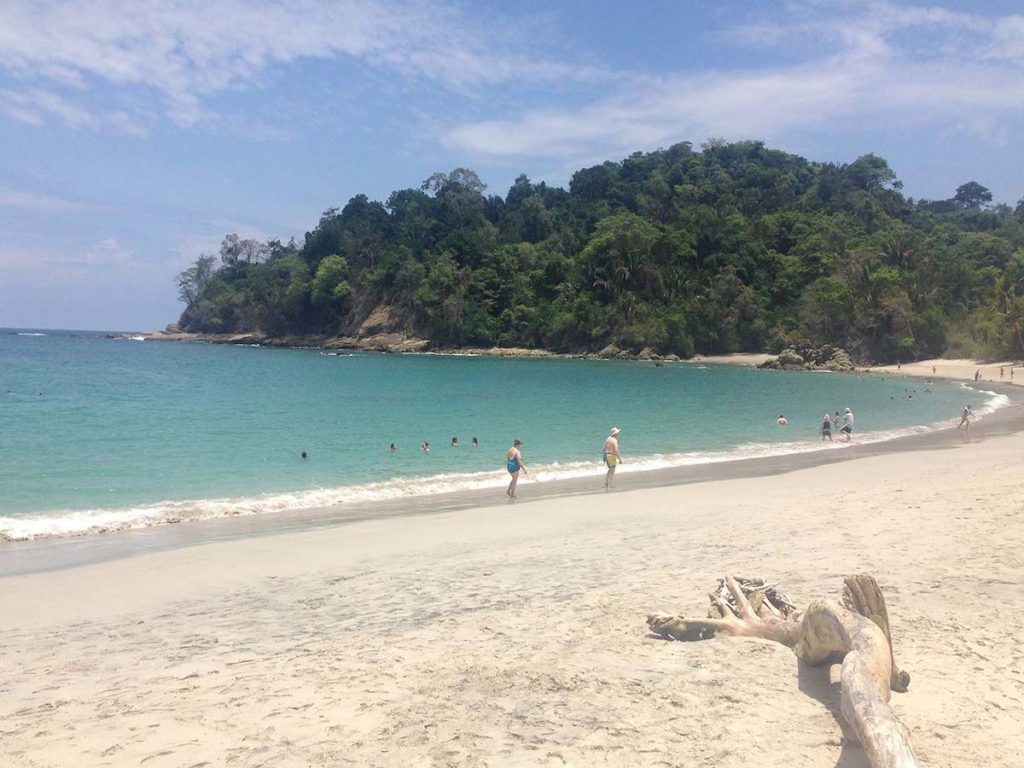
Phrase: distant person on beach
(965, 418)
(933, 370)
(826, 428)
(612, 458)
(425, 447)
(514, 464)
(1001, 371)
(847, 424)
(455, 442)
(475, 443)
(977, 374)
(781, 421)
(393, 448)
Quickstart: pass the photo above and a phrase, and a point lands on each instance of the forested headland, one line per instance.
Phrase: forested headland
(735, 247)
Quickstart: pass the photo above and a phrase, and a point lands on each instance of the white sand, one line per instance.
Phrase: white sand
(957, 368)
(515, 635)
(735, 358)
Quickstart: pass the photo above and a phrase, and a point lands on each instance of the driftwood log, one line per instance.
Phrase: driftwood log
(857, 632)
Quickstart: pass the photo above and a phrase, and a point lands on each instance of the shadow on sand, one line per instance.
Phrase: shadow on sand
(814, 681)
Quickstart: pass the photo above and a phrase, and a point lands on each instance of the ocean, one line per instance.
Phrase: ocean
(100, 433)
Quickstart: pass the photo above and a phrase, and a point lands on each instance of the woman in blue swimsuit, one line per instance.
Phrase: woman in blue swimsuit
(514, 463)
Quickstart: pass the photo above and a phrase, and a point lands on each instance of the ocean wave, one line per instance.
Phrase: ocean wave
(83, 522)
(25, 333)
(995, 400)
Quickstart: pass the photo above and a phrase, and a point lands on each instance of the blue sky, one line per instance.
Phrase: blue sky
(134, 135)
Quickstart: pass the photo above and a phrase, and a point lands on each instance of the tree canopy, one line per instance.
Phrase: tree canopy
(736, 247)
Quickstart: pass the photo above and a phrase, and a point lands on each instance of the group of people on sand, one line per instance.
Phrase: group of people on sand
(826, 424)
(514, 463)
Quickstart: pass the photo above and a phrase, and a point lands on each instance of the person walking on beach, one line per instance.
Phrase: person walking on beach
(826, 428)
(965, 418)
(847, 424)
(977, 374)
(514, 464)
(611, 456)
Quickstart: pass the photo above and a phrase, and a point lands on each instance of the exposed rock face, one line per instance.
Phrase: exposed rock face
(802, 356)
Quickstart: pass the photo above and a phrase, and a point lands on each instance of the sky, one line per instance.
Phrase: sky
(134, 135)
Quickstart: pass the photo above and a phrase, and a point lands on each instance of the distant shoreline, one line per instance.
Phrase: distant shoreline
(400, 343)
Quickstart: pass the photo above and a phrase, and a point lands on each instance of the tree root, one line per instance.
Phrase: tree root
(858, 633)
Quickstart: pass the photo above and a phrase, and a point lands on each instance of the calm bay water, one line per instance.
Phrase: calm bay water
(100, 433)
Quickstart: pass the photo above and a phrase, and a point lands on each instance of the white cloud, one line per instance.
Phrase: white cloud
(186, 52)
(107, 253)
(41, 202)
(35, 105)
(68, 263)
(872, 64)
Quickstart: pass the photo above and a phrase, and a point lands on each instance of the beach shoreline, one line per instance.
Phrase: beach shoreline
(71, 551)
(514, 634)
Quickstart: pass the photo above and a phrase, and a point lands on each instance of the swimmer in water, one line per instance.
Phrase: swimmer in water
(781, 421)
(455, 442)
(393, 448)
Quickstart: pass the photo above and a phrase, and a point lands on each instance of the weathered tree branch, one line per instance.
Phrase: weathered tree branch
(858, 633)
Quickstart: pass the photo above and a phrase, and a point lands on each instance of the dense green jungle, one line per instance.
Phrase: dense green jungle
(730, 248)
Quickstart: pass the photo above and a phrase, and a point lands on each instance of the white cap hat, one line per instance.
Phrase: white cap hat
(848, 410)
(615, 431)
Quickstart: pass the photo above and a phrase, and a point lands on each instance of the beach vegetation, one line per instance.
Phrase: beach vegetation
(734, 247)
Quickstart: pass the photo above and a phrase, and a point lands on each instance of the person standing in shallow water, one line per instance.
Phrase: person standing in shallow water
(514, 464)
(826, 428)
(847, 424)
(965, 417)
(612, 458)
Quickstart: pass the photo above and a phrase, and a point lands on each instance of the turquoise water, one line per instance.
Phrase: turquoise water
(98, 433)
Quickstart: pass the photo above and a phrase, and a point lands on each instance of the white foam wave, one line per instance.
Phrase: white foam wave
(994, 402)
(32, 334)
(83, 522)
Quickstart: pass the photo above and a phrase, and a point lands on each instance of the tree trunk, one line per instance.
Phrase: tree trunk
(859, 633)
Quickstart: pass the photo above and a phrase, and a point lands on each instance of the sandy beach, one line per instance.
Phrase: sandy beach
(959, 368)
(514, 635)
